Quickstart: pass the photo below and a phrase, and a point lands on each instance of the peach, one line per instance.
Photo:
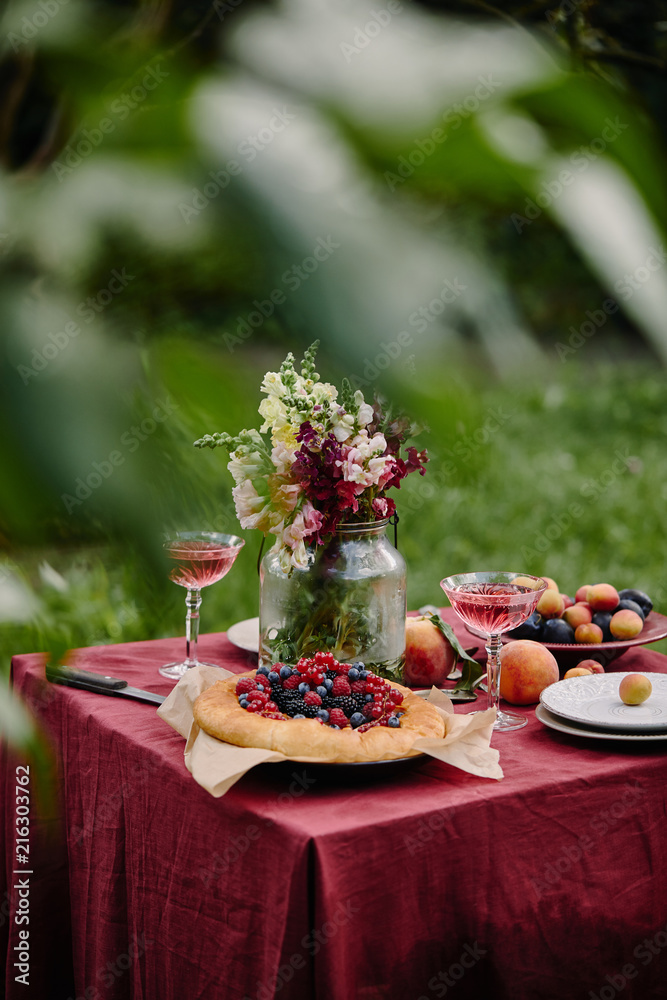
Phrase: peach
(588, 633)
(578, 672)
(429, 656)
(578, 614)
(550, 604)
(602, 597)
(626, 624)
(527, 668)
(634, 689)
(581, 593)
(592, 665)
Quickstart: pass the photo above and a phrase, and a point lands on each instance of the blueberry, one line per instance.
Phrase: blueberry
(369, 697)
(353, 674)
(273, 676)
(335, 727)
(357, 719)
(263, 670)
(264, 684)
(322, 691)
(363, 674)
(323, 715)
(557, 630)
(327, 683)
(303, 687)
(393, 722)
(530, 629)
(285, 671)
(298, 716)
(243, 702)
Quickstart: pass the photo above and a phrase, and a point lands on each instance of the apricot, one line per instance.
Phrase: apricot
(429, 656)
(551, 584)
(578, 672)
(602, 597)
(550, 604)
(578, 614)
(634, 689)
(527, 668)
(581, 593)
(592, 665)
(526, 581)
(588, 633)
(567, 600)
(626, 624)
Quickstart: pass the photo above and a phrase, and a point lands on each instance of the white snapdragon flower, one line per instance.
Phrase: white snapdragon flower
(272, 385)
(342, 425)
(364, 409)
(274, 413)
(282, 456)
(246, 466)
(253, 510)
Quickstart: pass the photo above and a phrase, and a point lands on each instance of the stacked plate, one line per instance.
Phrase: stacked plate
(591, 707)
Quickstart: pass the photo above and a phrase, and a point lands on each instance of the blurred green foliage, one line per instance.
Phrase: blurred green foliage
(187, 192)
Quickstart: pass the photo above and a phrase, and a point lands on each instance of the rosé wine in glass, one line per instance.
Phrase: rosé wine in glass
(491, 603)
(200, 558)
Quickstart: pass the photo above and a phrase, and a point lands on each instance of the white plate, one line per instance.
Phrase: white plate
(595, 701)
(578, 729)
(245, 634)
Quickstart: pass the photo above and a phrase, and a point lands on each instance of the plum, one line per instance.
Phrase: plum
(557, 630)
(639, 597)
(602, 619)
(530, 629)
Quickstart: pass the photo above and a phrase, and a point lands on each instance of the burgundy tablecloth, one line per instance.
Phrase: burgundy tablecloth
(416, 882)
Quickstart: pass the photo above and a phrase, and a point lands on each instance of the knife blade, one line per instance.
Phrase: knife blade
(99, 684)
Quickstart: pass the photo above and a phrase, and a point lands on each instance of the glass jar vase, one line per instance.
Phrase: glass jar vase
(351, 600)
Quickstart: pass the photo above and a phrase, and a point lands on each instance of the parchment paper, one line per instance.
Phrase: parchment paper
(216, 766)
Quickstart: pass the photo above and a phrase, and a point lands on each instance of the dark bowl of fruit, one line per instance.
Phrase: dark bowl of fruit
(600, 624)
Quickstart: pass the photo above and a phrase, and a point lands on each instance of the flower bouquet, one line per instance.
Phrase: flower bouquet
(315, 477)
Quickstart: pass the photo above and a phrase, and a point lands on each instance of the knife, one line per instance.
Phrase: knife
(99, 683)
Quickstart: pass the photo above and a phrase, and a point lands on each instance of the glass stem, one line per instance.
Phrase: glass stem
(192, 603)
(493, 647)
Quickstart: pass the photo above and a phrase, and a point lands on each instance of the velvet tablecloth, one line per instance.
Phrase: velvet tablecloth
(409, 882)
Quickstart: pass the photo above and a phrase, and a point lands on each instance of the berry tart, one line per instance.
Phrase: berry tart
(318, 708)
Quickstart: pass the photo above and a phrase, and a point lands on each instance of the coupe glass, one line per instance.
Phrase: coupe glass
(490, 604)
(200, 558)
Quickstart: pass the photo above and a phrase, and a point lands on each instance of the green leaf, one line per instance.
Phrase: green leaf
(471, 670)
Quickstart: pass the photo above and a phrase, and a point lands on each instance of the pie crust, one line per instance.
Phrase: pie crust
(217, 712)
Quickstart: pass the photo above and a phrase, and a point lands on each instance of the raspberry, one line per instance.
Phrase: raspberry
(358, 687)
(337, 717)
(312, 698)
(260, 696)
(255, 706)
(341, 686)
(271, 707)
(292, 682)
(245, 685)
(368, 709)
(326, 660)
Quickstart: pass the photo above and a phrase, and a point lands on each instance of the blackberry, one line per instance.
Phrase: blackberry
(348, 703)
(310, 711)
(331, 675)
